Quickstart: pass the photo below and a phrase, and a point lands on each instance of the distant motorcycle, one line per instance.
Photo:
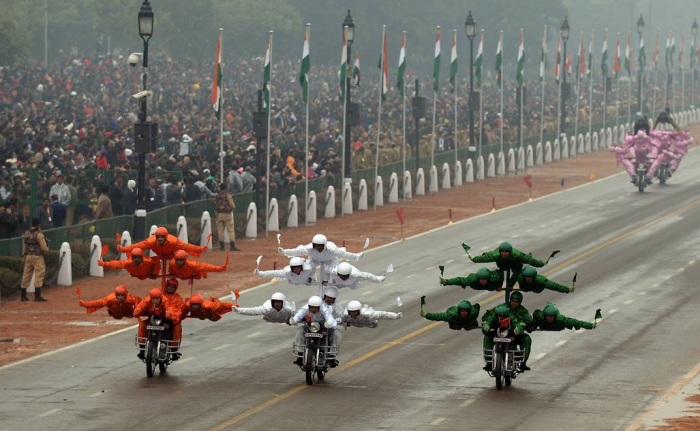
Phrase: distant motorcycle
(505, 358)
(316, 361)
(663, 173)
(157, 348)
(642, 180)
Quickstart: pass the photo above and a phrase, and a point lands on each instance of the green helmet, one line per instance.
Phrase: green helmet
(502, 310)
(464, 304)
(483, 273)
(505, 246)
(518, 296)
(550, 310)
(529, 271)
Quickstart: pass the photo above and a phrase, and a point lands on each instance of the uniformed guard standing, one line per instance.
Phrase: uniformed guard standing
(33, 248)
(224, 217)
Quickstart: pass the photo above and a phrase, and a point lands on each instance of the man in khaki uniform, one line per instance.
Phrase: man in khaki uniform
(33, 249)
(224, 217)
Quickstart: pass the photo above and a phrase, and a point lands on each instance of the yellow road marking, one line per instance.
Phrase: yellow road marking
(234, 420)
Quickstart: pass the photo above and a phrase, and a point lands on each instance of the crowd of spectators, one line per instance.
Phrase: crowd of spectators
(74, 123)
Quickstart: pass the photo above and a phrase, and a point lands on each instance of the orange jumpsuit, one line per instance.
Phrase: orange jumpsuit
(193, 269)
(165, 251)
(146, 308)
(176, 301)
(212, 310)
(149, 268)
(114, 308)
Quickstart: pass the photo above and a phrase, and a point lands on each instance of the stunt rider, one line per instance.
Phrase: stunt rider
(321, 252)
(197, 307)
(184, 268)
(529, 281)
(492, 319)
(550, 319)
(461, 316)
(177, 302)
(138, 265)
(298, 272)
(315, 312)
(522, 317)
(119, 304)
(274, 310)
(483, 279)
(346, 275)
(164, 245)
(147, 308)
(364, 316)
(508, 258)
(330, 295)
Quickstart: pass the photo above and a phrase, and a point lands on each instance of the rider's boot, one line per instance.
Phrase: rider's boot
(37, 295)
(222, 247)
(649, 180)
(175, 354)
(24, 295)
(299, 361)
(488, 367)
(142, 352)
(334, 363)
(634, 179)
(233, 246)
(524, 367)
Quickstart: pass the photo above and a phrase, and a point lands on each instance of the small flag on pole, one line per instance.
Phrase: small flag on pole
(499, 60)
(216, 93)
(598, 315)
(521, 60)
(343, 66)
(479, 60)
(604, 56)
(400, 84)
(356, 71)
(305, 66)
(399, 214)
(616, 62)
(422, 301)
(453, 63)
(528, 180)
(436, 62)
(562, 182)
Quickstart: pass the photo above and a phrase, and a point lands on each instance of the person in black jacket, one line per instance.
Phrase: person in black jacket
(154, 197)
(116, 195)
(192, 192)
(129, 200)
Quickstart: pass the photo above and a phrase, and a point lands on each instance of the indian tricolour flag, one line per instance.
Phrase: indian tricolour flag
(266, 76)
(616, 62)
(655, 57)
(216, 93)
(385, 69)
(557, 63)
(436, 62)
(343, 66)
(305, 67)
(681, 52)
(499, 59)
(589, 66)
(400, 84)
(543, 57)
(642, 55)
(604, 55)
(453, 62)
(521, 60)
(628, 54)
(479, 60)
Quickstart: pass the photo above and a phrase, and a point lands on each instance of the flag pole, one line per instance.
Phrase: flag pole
(379, 118)
(544, 74)
(221, 116)
(562, 62)
(404, 126)
(432, 137)
(578, 85)
(269, 136)
(629, 81)
(682, 71)
(590, 88)
(454, 38)
(605, 83)
(673, 81)
(503, 117)
(481, 111)
(306, 144)
(617, 83)
(522, 41)
(345, 119)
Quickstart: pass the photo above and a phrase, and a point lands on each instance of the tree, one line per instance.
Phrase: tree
(14, 42)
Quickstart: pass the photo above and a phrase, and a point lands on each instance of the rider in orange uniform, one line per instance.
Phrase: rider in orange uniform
(119, 303)
(198, 308)
(184, 268)
(147, 308)
(164, 245)
(138, 265)
(176, 301)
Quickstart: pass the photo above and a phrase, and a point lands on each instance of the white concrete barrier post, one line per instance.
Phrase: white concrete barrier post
(521, 159)
(595, 141)
(458, 174)
(378, 191)
(206, 227)
(491, 166)
(469, 171)
(572, 147)
(511, 162)
(500, 164)
(407, 185)
(362, 202)
(529, 157)
(480, 168)
(347, 197)
(293, 212)
(539, 157)
(420, 182)
(329, 211)
(273, 216)
(564, 148)
(609, 137)
(393, 188)
(95, 269)
(311, 208)
(557, 151)
(125, 242)
(580, 147)
(65, 272)
(587, 144)
(433, 179)
(446, 182)
(548, 152)
(251, 221)
(182, 229)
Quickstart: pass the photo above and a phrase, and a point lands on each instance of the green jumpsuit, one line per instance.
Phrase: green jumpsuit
(495, 281)
(514, 262)
(455, 320)
(539, 284)
(519, 317)
(560, 323)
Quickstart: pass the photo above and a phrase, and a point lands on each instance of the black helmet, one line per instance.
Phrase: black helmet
(642, 123)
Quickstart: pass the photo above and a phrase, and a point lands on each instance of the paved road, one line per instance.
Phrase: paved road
(635, 255)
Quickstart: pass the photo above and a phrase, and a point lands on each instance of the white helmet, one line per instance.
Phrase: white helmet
(354, 305)
(296, 261)
(315, 301)
(320, 239)
(330, 291)
(344, 269)
(278, 296)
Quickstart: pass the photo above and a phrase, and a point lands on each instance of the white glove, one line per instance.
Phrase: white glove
(327, 325)
(256, 272)
(362, 253)
(292, 321)
(382, 278)
(595, 324)
(280, 250)
(571, 290)
(399, 315)
(235, 309)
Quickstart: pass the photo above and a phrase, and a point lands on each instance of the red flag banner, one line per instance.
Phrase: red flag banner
(399, 214)
(78, 291)
(528, 180)
(237, 293)
(119, 238)
(105, 250)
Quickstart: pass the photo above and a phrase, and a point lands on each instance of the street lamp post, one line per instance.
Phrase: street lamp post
(565, 31)
(347, 139)
(694, 32)
(640, 100)
(470, 30)
(144, 131)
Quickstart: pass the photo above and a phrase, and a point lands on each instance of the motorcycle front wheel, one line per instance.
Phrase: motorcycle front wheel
(321, 375)
(498, 371)
(150, 359)
(310, 367)
(641, 183)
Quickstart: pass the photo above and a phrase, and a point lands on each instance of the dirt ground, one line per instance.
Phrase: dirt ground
(69, 323)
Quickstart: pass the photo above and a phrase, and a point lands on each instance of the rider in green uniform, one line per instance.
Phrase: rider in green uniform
(483, 279)
(550, 319)
(461, 316)
(520, 321)
(529, 281)
(508, 258)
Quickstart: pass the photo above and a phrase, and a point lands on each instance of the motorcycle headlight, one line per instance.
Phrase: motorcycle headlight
(315, 327)
(502, 333)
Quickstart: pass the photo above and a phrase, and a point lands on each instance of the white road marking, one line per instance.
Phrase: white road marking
(613, 311)
(429, 268)
(642, 293)
(655, 285)
(438, 421)
(528, 231)
(681, 269)
(515, 236)
(389, 284)
(254, 334)
(450, 261)
(541, 355)
(562, 342)
(97, 394)
(485, 247)
(223, 346)
(50, 412)
(583, 329)
(569, 216)
(691, 262)
(182, 361)
(556, 221)
(366, 293)
(543, 225)
(466, 403)
(410, 275)
(629, 301)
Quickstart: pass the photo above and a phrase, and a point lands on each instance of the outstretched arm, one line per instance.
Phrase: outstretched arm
(251, 311)
(386, 315)
(552, 285)
(114, 264)
(484, 257)
(278, 273)
(343, 253)
(572, 323)
(294, 252)
(144, 245)
(439, 317)
(194, 250)
(371, 277)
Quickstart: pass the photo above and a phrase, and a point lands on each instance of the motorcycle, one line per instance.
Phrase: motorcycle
(157, 348)
(505, 358)
(642, 180)
(663, 173)
(317, 351)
